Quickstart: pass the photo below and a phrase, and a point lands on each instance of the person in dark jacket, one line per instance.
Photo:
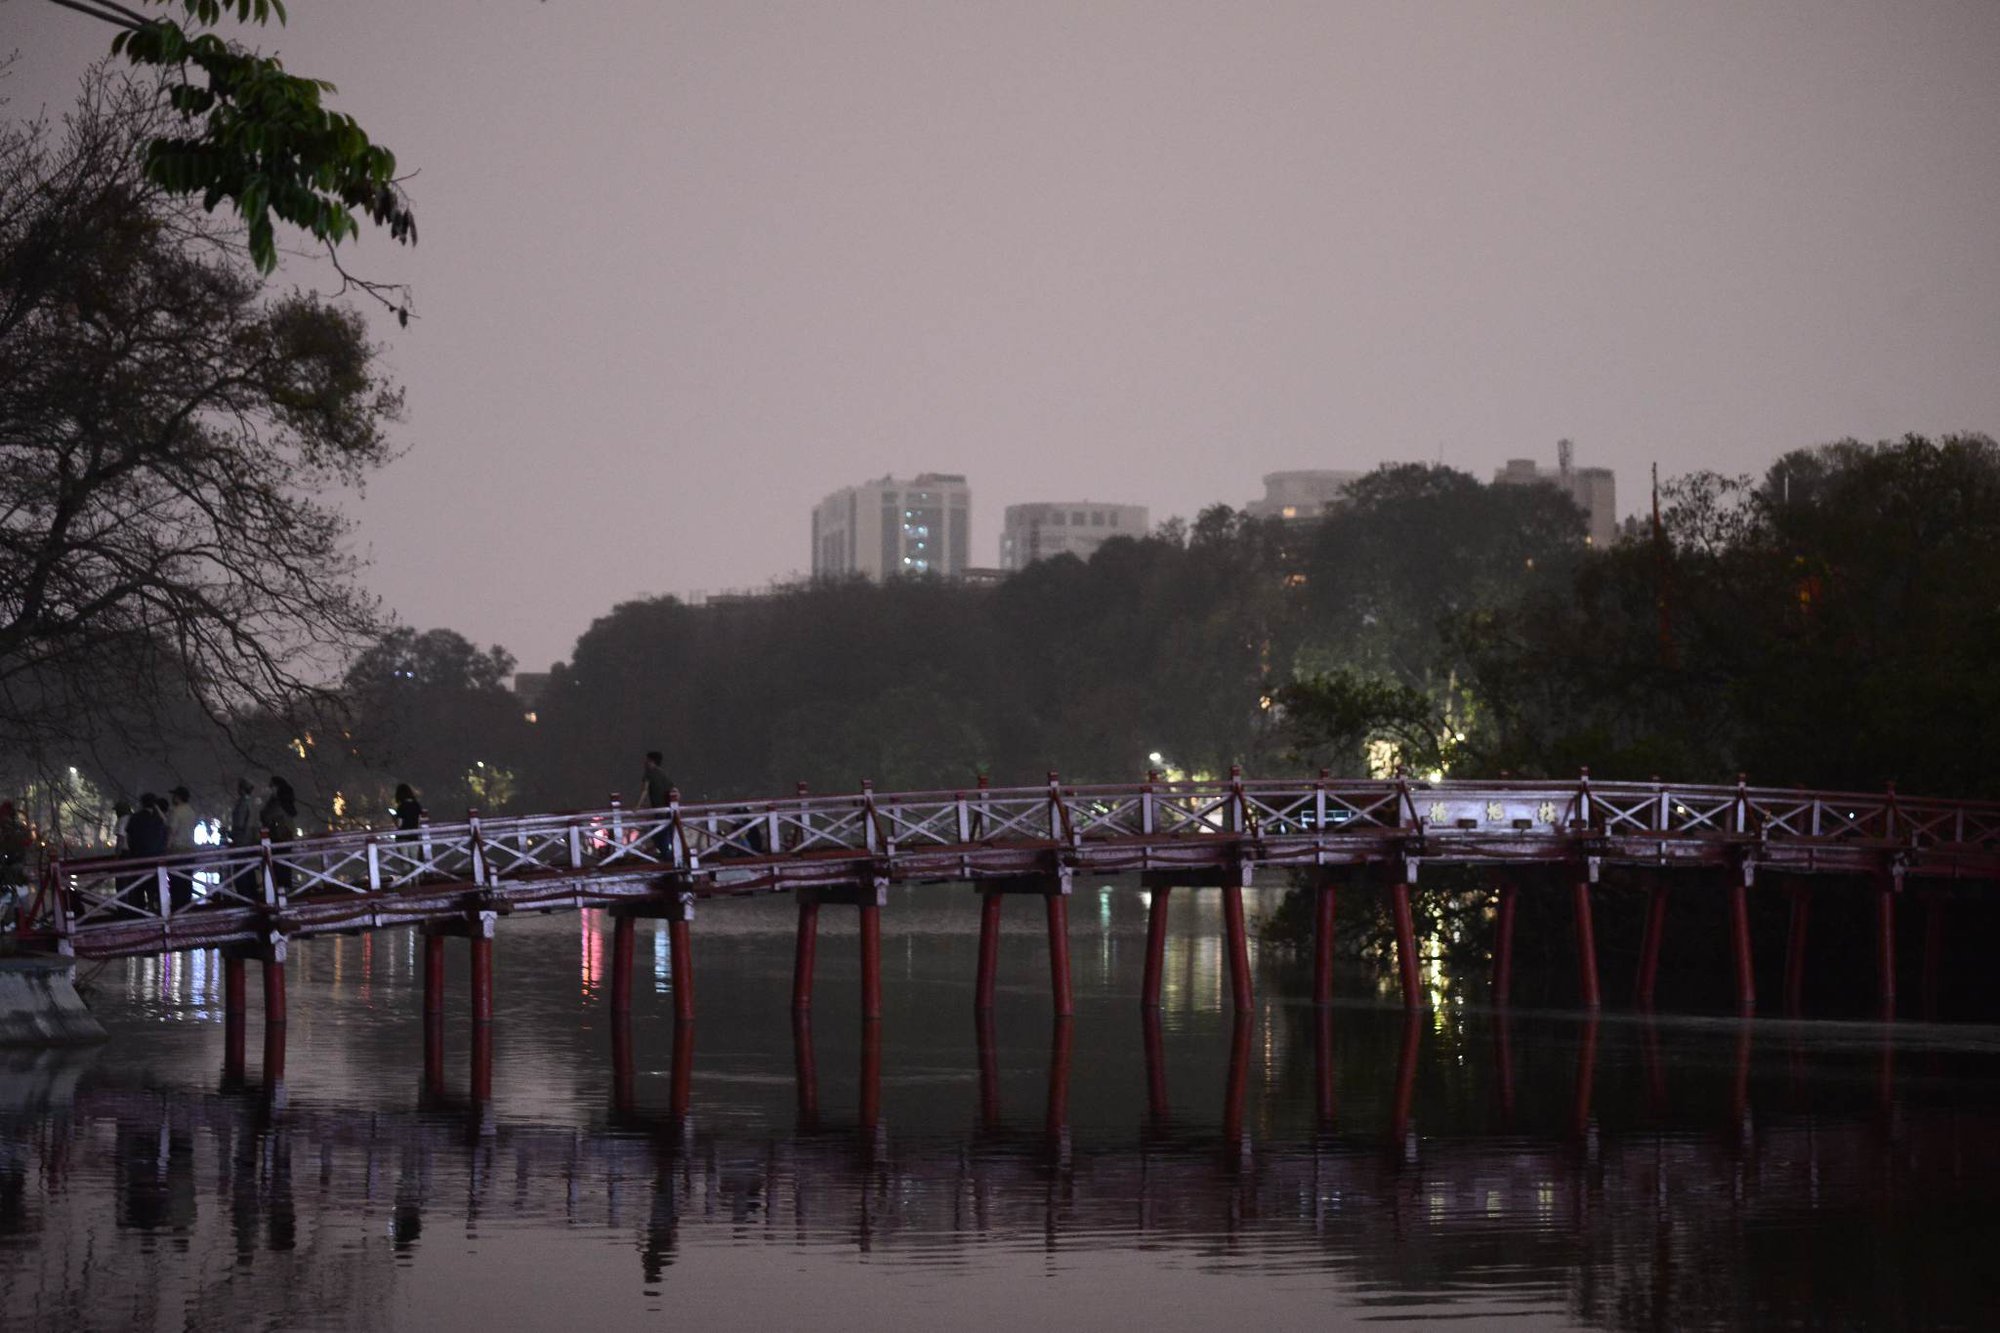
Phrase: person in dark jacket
(280, 818)
(408, 810)
(146, 836)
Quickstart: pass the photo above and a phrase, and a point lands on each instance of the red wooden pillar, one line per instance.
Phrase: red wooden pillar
(274, 988)
(1503, 944)
(433, 976)
(1795, 949)
(623, 928)
(1649, 945)
(235, 1016)
(1933, 953)
(989, 948)
(1886, 886)
(482, 976)
(1739, 940)
(482, 1051)
(682, 1077)
(804, 951)
(1238, 937)
(1586, 1077)
(681, 965)
(1588, 993)
(1406, 945)
(1156, 947)
(871, 955)
(989, 1071)
(1237, 1091)
(1059, 952)
(1324, 1101)
(1406, 1083)
(1323, 923)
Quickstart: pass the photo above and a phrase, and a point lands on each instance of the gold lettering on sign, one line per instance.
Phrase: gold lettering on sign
(1438, 813)
(1547, 813)
(1495, 812)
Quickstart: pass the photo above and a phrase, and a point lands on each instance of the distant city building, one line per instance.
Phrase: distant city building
(1304, 494)
(1593, 488)
(893, 527)
(1052, 527)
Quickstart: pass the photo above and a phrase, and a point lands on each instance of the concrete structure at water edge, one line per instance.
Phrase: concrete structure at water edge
(39, 1005)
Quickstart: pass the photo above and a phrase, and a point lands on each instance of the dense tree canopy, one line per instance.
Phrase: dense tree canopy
(165, 427)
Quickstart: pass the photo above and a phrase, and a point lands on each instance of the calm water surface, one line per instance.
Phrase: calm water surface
(1533, 1172)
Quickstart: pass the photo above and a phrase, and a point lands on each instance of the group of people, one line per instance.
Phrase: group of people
(166, 826)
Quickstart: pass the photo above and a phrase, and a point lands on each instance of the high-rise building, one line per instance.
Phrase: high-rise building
(894, 527)
(1052, 527)
(1594, 489)
(1304, 494)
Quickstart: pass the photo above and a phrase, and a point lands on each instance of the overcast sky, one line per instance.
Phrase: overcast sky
(686, 268)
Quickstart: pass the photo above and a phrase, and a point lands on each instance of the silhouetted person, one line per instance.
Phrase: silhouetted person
(655, 790)
(181, 822)
(243, 831)
(280, 818)
(409, 811)
(121, 819)
(146, 836)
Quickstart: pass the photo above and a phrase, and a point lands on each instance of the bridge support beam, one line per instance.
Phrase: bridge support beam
(1054, 888)
(1649, 945)
(1888, 884)
(871, 963)
(624, 931)
(1589, 995)
(1324, 902)
(805, 952)
(1739, 938)
(1406, 939)
(676, 908)
(1795, 949)
(235, 1007)
(1503, 943)
(1238, 938)
(1156, 945)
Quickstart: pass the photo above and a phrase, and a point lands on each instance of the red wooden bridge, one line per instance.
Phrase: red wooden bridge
(463, 878)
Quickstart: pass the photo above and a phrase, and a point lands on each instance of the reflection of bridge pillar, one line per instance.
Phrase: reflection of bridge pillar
(989, 950)
(1588, 994)
(871, 1077)
(1323, 1102)
(805, 1069)
(1056, 1123)
(1649, 944)
(1157, 1109)
(623, 1097)
(1503, 943)
(1586, 1077)
(1406, 1087)
(681, 1086)
(1236, 1092)
(989, 1071)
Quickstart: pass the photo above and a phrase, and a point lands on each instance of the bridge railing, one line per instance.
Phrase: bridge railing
(94, 892)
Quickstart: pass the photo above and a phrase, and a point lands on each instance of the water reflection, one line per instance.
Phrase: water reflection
(1556, 1170)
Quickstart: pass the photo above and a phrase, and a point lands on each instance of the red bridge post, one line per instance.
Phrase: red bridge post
(235, 1007)
(804, 952)
(681, 956)
(1649, 944)
(990, 898)
(1058, 900)
(1739, 937)
(1323, 922)
(623, 932)
(1238, 938)
(479, 933)
(1406, 938)
(871, 901)
(1503, 944)
(433, 974)
(1888, 883)
(1795, 949)
(1588, 992)
(1156, 945)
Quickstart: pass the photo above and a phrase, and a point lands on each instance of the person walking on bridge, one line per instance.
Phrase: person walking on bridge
(655, 790)
(180, 842)
(242, 831)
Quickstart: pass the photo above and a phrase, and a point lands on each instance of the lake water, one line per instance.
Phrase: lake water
(1533, 1171)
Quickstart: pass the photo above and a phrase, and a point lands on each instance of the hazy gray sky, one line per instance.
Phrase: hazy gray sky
(687, 268)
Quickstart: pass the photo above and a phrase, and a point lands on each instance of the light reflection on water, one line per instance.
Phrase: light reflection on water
(1282, 1170)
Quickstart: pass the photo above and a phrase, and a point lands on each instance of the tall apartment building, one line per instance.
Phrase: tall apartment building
(1594, 489)
(894, 526)
(1303, 494)
(1051, 527)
